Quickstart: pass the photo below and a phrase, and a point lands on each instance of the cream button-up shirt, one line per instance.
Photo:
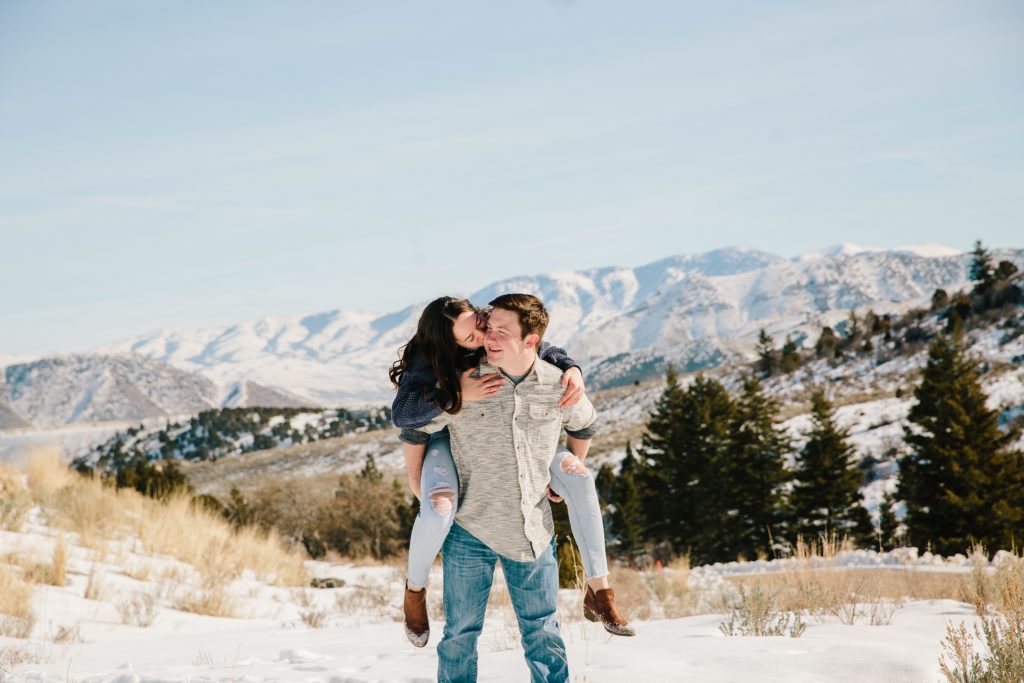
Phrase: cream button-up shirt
(503, 447)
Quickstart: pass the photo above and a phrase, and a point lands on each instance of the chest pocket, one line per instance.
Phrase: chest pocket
(543, 419)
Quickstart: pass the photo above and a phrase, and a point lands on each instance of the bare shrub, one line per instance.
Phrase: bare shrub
(138, 610)
(881, 611)
(752, 612)
(310, 613)
(373, 598)
(959, 662)
(16, 615)
(68, 634)
(999, 604)
(11, 657)
(358, 515)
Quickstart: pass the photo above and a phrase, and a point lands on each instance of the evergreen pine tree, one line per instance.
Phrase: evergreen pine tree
(961, 480)
(679, 475)
(825, 347)
(627, 520)
(765, 354)
(940, 299)
(981, 271)
(658, 446)
(826, 497)
(1005, 270)
(852, 326)
(887, 523)
(755, 472)
(790, 356)
(370, 471)
(699, 498)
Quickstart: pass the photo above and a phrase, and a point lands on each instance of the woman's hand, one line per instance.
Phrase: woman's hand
(572, 380)
(476, 388)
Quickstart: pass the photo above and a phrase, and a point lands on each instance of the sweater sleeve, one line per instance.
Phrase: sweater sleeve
(557, 356)
(414, 405)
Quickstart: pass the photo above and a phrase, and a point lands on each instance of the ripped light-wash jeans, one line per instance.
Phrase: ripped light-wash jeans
(439, 484)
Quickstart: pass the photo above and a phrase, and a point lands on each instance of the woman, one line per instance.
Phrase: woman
(434, 375)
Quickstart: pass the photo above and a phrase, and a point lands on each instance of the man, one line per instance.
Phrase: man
(503, 448)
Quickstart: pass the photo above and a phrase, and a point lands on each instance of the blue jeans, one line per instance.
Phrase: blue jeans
(533, 589)
(439, 486)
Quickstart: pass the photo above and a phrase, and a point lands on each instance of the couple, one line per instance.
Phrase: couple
(481, 405)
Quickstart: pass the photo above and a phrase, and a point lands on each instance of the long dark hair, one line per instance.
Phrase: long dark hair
(435, 343)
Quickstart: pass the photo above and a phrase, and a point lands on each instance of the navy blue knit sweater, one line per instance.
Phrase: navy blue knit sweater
(414, 406)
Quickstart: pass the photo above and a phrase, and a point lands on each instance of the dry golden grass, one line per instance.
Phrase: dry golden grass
(47, 475)
(213, 600)
(813, 582)
(175, 528)
(34, 571)
(83, 506)
(14, 498)
(662, 593)
(139, 571)
(94, 588)
(204, 540)
(16, 615)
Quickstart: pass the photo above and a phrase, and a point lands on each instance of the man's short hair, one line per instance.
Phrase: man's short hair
(533, 317)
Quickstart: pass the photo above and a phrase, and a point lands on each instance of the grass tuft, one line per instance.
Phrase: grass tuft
(16, 615)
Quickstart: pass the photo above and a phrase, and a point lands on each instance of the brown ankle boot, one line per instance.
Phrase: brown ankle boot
(600, 606)
(417, 625)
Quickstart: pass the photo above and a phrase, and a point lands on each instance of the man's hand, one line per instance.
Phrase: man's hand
(572, 380)
(477, 388)
(554, 498)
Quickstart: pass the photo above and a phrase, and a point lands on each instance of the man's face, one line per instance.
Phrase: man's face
(504, 341)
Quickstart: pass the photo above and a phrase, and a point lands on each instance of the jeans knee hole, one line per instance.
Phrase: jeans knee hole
(441, 501)
(572, 465)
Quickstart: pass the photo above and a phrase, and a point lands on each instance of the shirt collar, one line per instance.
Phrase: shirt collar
(535, 373)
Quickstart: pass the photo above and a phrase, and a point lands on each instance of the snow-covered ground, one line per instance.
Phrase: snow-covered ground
(360, 638)
(354, 650)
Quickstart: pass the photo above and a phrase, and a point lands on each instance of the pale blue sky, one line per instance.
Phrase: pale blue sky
(195, 163)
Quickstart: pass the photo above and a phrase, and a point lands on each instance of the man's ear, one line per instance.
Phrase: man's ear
(532, 340)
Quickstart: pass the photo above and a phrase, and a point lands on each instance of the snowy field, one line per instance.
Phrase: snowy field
(181, 647)
(353, 633)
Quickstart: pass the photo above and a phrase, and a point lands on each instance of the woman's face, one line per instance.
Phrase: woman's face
(469, 329)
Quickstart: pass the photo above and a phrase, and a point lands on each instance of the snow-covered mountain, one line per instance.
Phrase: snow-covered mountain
(621, 323)
(94, 388)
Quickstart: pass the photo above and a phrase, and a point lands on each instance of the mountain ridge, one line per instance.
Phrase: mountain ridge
(621, 323)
